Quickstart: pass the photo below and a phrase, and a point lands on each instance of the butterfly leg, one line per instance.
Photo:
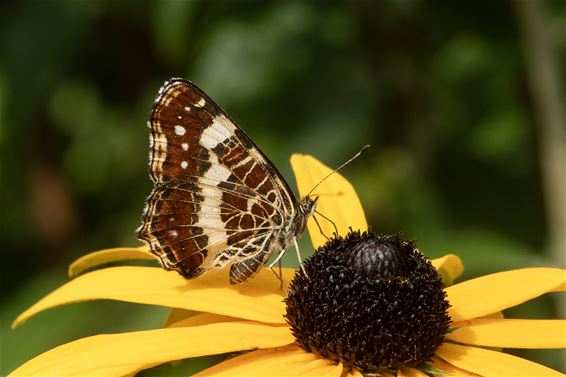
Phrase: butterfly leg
(280, 278)
(282, 283)
(331, 222)
(247, 268)
(319, 228)
(299, 256)
(277, 259)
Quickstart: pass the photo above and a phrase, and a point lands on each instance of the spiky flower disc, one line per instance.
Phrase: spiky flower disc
(373, 302)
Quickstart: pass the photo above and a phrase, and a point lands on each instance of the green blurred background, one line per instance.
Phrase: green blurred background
(461, 102)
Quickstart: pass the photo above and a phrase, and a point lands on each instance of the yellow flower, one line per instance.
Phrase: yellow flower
(250, 316)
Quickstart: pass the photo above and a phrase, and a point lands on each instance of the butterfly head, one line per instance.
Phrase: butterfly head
(308, 206)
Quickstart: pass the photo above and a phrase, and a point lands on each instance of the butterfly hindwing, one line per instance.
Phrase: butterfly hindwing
(217, 198)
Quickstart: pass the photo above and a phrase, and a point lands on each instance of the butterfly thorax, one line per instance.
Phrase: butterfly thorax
(295, 227)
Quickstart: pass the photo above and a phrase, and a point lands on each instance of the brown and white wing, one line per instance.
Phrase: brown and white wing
(217, 199)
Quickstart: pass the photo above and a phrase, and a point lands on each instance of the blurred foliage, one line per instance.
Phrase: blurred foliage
(439, 90)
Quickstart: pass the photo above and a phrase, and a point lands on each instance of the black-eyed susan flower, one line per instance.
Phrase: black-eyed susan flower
(362, 309)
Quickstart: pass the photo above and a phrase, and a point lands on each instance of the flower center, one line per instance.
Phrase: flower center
(373, 302)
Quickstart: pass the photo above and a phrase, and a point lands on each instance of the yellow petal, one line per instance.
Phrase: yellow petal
(338, 200)
(356, 373)
(106, 256)
(410, 372)
(511, 333)
(258, 299)
(560, 288)
(490, 363)
(205, 319)
(496, 315)
(491, 293)
(289, 361)
(121, 354)
(448, 369)
(176, 315)
(449, 267)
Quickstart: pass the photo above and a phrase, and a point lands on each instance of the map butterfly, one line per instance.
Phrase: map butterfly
(217, 199)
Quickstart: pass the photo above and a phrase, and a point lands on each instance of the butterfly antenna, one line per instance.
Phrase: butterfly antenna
(365, 147)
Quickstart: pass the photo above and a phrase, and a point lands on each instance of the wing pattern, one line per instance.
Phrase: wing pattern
(217, 199)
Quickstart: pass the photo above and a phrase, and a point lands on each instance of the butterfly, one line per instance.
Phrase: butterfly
(217, 199)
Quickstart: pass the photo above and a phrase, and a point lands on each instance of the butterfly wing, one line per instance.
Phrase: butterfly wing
(217, 199)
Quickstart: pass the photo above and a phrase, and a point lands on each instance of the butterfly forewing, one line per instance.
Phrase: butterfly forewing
(217, 199)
